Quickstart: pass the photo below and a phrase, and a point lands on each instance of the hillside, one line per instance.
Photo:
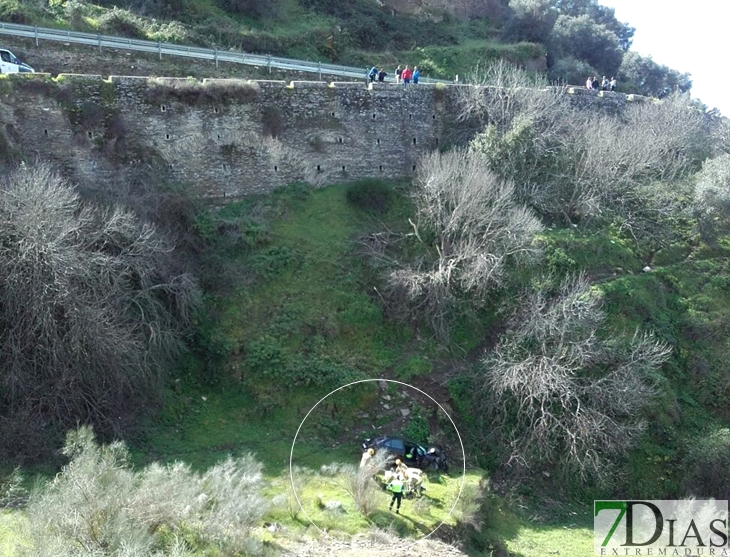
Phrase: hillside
(205, 310)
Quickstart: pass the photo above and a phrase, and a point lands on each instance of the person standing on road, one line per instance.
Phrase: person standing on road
(381, 76)
(398, 74)
(416, 75)
(396, 486)
(407, 74)
(373, 74)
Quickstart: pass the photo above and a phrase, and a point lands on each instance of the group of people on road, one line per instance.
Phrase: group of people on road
(605, 84)
(402, 75)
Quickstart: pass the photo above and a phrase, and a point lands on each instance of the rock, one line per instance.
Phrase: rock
(386, 397)
(382, 384)
(405, 412)
(647, 269)
(272, 526)
(386, 406)
(334, 507)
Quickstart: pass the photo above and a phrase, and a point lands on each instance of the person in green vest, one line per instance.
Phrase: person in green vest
(396, 486)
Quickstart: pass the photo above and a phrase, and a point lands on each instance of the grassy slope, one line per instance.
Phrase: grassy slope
(444, 49)
(321, 291)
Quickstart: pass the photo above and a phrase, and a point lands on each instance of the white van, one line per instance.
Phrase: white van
(10, 64)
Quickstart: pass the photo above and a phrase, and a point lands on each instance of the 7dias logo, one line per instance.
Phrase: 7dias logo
(669, 528)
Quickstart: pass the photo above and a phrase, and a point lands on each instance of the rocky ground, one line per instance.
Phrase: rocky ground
(367, 545)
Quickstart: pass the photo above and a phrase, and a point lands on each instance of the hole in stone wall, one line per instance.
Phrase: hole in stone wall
(167, 136)
(410, 116)
(437, 141)
(90, 134)
(414, 167)
(433, 117)
(219, 136)
(343, 169)
(378, 141)
(225, 167)
(414, 140)
(163, 108)
(333, 114)
(170, 166)
(45, 132)
(380, 168)
(339, 140)
(318, 168)
(276, 169)
(373, 116)
(215, 110)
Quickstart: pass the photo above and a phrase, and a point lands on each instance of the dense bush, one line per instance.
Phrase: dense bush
(373, 196)
(93, 308)
(100, 504)
(712, 198)
(706, 463)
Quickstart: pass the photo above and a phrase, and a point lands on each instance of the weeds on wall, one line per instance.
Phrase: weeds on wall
(195, 93)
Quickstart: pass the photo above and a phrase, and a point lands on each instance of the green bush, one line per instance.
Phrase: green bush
(413, 367)
(372, 196)
(706, 464)
(417, 428)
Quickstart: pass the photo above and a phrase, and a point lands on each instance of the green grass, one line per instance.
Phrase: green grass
(539, 541)
(12, 540)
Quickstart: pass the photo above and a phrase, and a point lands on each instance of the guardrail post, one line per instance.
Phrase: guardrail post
(216, 57)
(36, 35)
(319, 70)
(159, 49)
(268, 61)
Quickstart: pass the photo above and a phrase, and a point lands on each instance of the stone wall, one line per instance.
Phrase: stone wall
(228, 138)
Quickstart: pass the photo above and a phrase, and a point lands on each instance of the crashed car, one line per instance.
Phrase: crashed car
(412, 454)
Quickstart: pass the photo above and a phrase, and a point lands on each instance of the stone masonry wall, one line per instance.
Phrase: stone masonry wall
(227, 138)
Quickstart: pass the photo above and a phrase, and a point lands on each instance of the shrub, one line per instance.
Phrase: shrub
(706, 462)
(372, 196)
(363, 490)
(272, 121)
(99, 503)
(122, 23)
(195, 93)
(93, 306)
(712, 198)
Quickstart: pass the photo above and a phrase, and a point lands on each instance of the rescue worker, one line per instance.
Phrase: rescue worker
(401, 469)
(396, 486)
(366, 456)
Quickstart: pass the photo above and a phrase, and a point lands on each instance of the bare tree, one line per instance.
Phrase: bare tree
(92, 308)
(585, 164)
(472, 228)
(557, 393)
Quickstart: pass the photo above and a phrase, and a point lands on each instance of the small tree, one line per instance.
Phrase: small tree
(559, 395)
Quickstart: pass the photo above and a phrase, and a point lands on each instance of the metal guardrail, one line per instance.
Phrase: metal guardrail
(169, 49)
